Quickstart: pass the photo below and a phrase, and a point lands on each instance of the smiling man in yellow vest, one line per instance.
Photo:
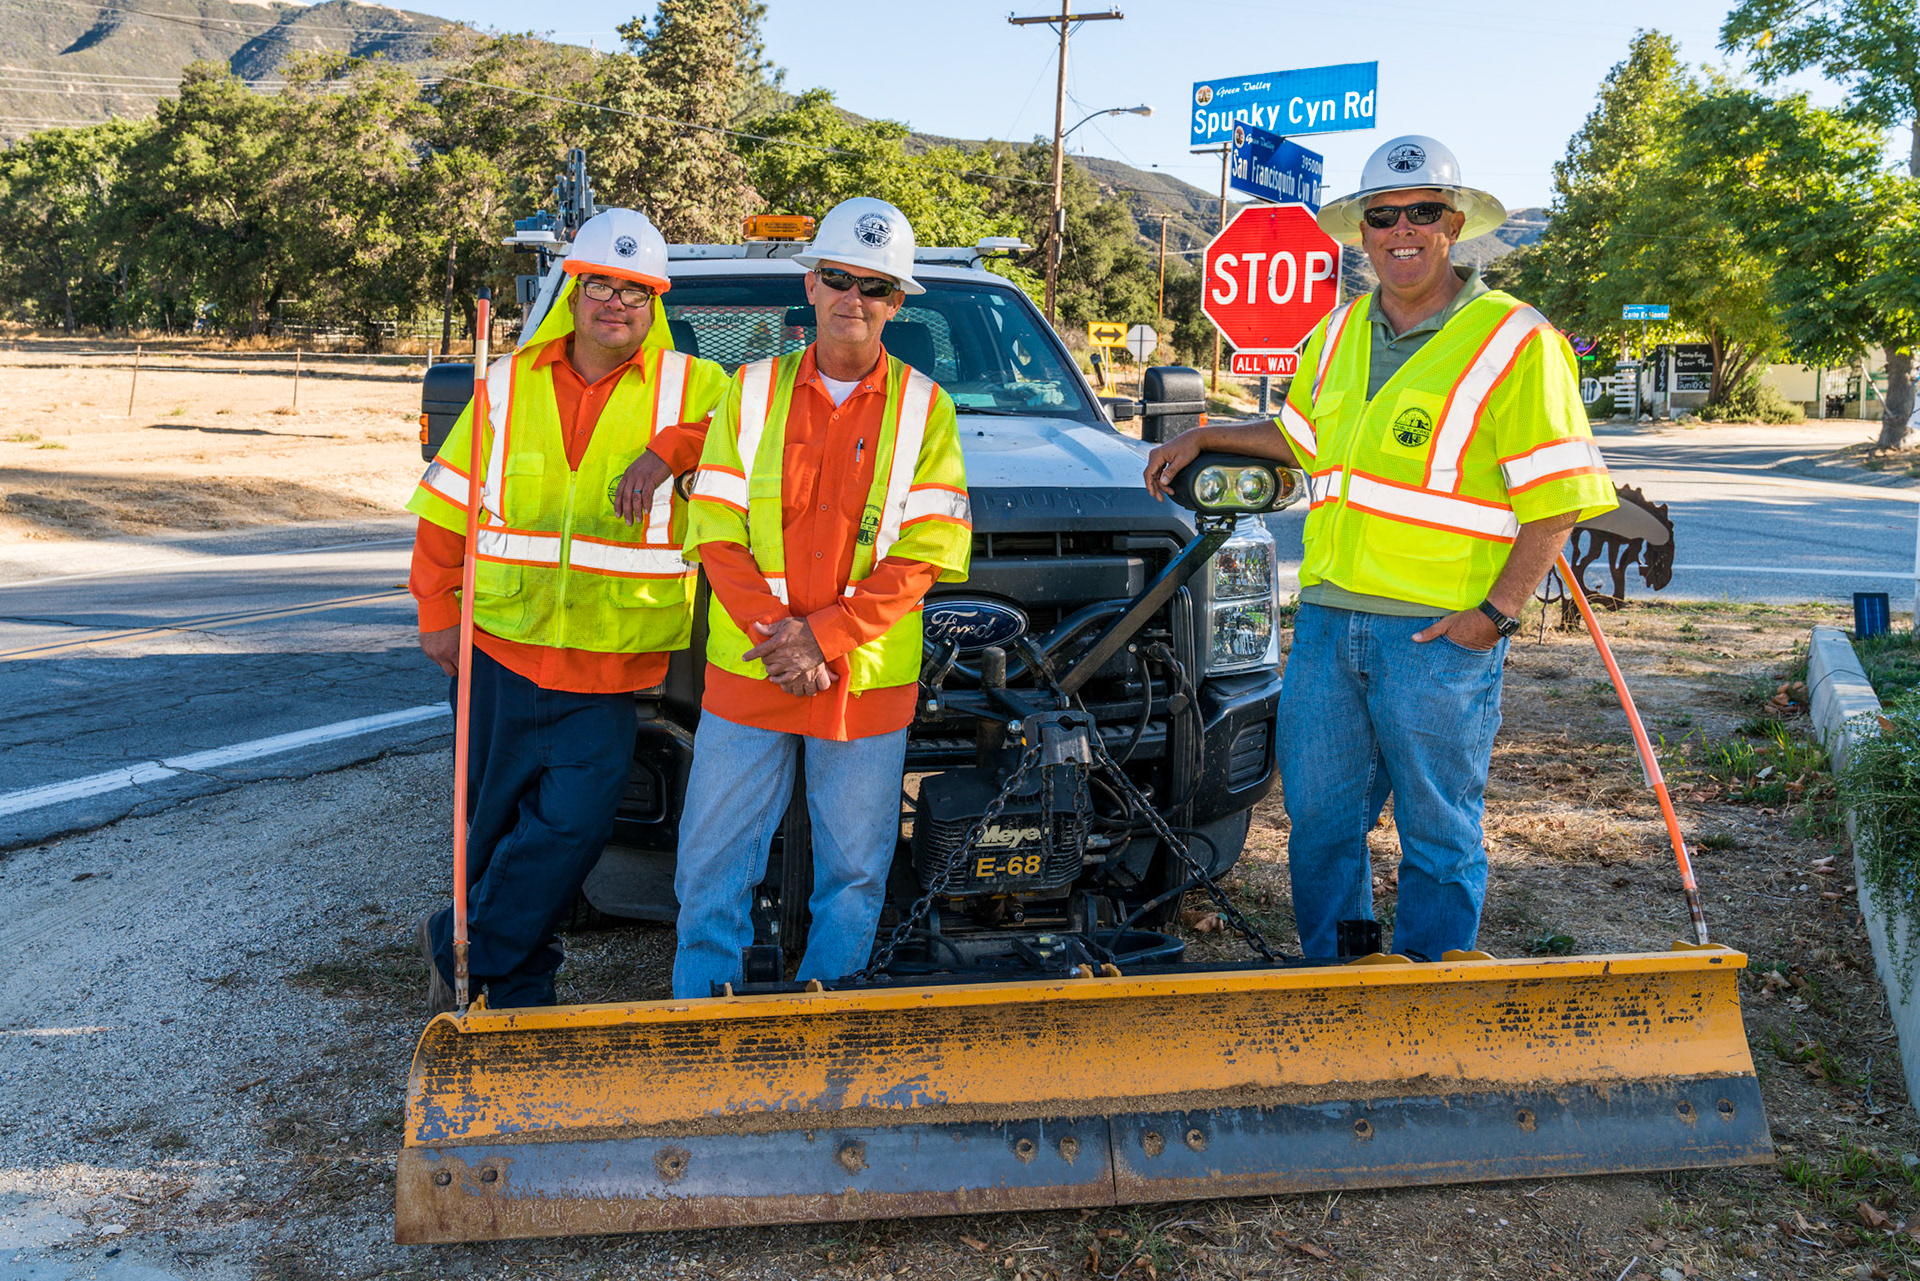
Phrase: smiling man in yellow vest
(1447, 453)
(830, 497)
(580, 592)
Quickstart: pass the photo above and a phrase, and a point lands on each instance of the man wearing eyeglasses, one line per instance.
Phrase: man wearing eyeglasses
(830, 497)
(1447, 453)
(580, 592)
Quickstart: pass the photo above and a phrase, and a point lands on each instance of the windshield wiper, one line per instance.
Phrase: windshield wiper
(996, 411)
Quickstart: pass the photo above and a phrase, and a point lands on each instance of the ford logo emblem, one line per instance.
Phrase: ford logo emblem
(974, 624)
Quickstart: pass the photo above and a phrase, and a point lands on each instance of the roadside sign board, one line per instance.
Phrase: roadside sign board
(1269, 278)
(1308, 100)
(1267, 364)
(1106, 333)
(1142, 342)
(1269, 167)
(1589, 390)
(1644, 311)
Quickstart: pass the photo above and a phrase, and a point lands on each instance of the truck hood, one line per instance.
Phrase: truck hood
(1059, 453)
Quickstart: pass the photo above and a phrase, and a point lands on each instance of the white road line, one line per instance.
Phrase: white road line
(207, 562)
(1823, 573)
(33, 798)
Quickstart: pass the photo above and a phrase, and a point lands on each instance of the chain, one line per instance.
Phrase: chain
(1228, 911)
(956, 860)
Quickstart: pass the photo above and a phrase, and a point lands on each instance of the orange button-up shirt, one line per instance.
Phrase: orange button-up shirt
(825, 477)
(439, 553)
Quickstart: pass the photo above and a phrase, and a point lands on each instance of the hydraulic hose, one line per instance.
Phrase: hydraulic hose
(1648, 761)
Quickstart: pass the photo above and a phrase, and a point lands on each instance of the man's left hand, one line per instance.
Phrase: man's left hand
(635, 493)
(1469, 629)
(789, 650)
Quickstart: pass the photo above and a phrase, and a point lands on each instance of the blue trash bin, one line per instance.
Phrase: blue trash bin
(1870, 614)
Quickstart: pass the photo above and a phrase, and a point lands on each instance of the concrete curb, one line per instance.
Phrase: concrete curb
(1840, 692)
(1816, 467)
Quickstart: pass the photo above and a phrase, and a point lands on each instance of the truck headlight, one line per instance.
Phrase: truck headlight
(1241, 622)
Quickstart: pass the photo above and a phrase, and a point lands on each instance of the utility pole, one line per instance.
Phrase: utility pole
(1056, 214)
(1226, 158)
(1163, 262)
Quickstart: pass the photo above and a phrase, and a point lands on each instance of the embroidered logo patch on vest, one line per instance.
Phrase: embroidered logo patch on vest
(869, 527)
(1412, 428)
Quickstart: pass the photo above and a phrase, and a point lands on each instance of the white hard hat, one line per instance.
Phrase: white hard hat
(1411, 162)
(865, 232)
(620, 242)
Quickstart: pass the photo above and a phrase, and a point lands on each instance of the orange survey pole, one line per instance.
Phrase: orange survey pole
(1647, 759)
(463, 697)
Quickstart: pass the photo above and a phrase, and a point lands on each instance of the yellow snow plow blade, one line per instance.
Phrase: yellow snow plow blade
(883, 1102)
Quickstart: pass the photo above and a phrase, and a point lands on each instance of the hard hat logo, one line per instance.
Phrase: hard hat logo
(1406, 158)
(873, 229)
(626, 246)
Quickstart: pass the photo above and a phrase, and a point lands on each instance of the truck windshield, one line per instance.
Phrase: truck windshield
(981, 343)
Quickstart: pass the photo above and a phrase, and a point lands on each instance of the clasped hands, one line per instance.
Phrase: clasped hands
(793, 658)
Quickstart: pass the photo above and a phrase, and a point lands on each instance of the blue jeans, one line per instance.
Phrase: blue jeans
(544, 777)
(738, 791)
(1365, 712)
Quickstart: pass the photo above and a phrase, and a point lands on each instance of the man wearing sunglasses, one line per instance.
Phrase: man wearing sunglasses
(830, 497)
(576, 603)
(1447, 452)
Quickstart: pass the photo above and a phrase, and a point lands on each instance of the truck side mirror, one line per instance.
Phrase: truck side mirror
(1173, 399)
(1121, 409)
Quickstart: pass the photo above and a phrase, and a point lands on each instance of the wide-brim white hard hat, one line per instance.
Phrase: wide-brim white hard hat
(621, 243)
(1411, 162)
(865, 232)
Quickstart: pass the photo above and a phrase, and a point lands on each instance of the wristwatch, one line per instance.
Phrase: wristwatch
(1501, 623)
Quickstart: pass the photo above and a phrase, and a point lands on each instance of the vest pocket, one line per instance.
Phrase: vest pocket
(498, 599)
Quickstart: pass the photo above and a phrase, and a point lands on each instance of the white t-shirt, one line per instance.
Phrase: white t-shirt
(839, 389)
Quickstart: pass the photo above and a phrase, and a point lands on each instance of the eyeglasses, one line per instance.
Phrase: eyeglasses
(870, 286)
(600, 291)
(1423, 214)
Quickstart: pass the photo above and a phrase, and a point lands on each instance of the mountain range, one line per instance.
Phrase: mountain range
(66, 62)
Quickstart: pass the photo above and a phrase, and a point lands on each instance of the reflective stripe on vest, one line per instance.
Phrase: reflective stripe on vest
(669, 409)
(517, 546)
(1416, 506)
(722, 485)
(1295, 425)
(1323, 487)
(625, 560)
(447, 481)
(1336, 326)
(1552, 461)
(1469, 395)
(916, 402)
(930, 501)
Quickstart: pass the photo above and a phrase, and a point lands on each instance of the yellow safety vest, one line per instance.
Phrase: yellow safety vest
(917, 507)
(1418, 493)
(554, 565)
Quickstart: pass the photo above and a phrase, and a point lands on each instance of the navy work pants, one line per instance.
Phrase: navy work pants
(545, 775)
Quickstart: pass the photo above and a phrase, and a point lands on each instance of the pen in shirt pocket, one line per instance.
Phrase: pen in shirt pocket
(859, 448)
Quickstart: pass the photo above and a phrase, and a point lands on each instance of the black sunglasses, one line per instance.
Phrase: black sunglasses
(1424, 214)
(600, 291)
(870, 286)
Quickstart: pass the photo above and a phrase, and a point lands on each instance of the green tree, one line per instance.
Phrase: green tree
(819, 156)
(1873, 48)
(1106, 271)
(662, 148)
(58, 260)
(1631, 224)
(1808, 190)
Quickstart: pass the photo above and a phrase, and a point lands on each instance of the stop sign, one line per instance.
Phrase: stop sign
(1270, 277)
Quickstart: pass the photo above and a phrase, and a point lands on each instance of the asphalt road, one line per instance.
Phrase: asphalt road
(290, 652)
(1745, 526)
(130, 690)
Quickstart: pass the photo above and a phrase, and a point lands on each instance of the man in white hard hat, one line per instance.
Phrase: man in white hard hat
(1447, 452)
(830, 497)
(579, 595)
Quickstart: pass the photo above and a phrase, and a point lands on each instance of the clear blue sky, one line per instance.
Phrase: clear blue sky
(1504, 84)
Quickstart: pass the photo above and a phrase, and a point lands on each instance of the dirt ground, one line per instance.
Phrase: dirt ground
(206, 1029)
(214, 440)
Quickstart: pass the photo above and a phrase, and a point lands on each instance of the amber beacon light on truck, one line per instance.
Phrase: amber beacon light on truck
(778, 227)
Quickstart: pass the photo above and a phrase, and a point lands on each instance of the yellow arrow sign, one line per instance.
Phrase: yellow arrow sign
(1106, 333)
